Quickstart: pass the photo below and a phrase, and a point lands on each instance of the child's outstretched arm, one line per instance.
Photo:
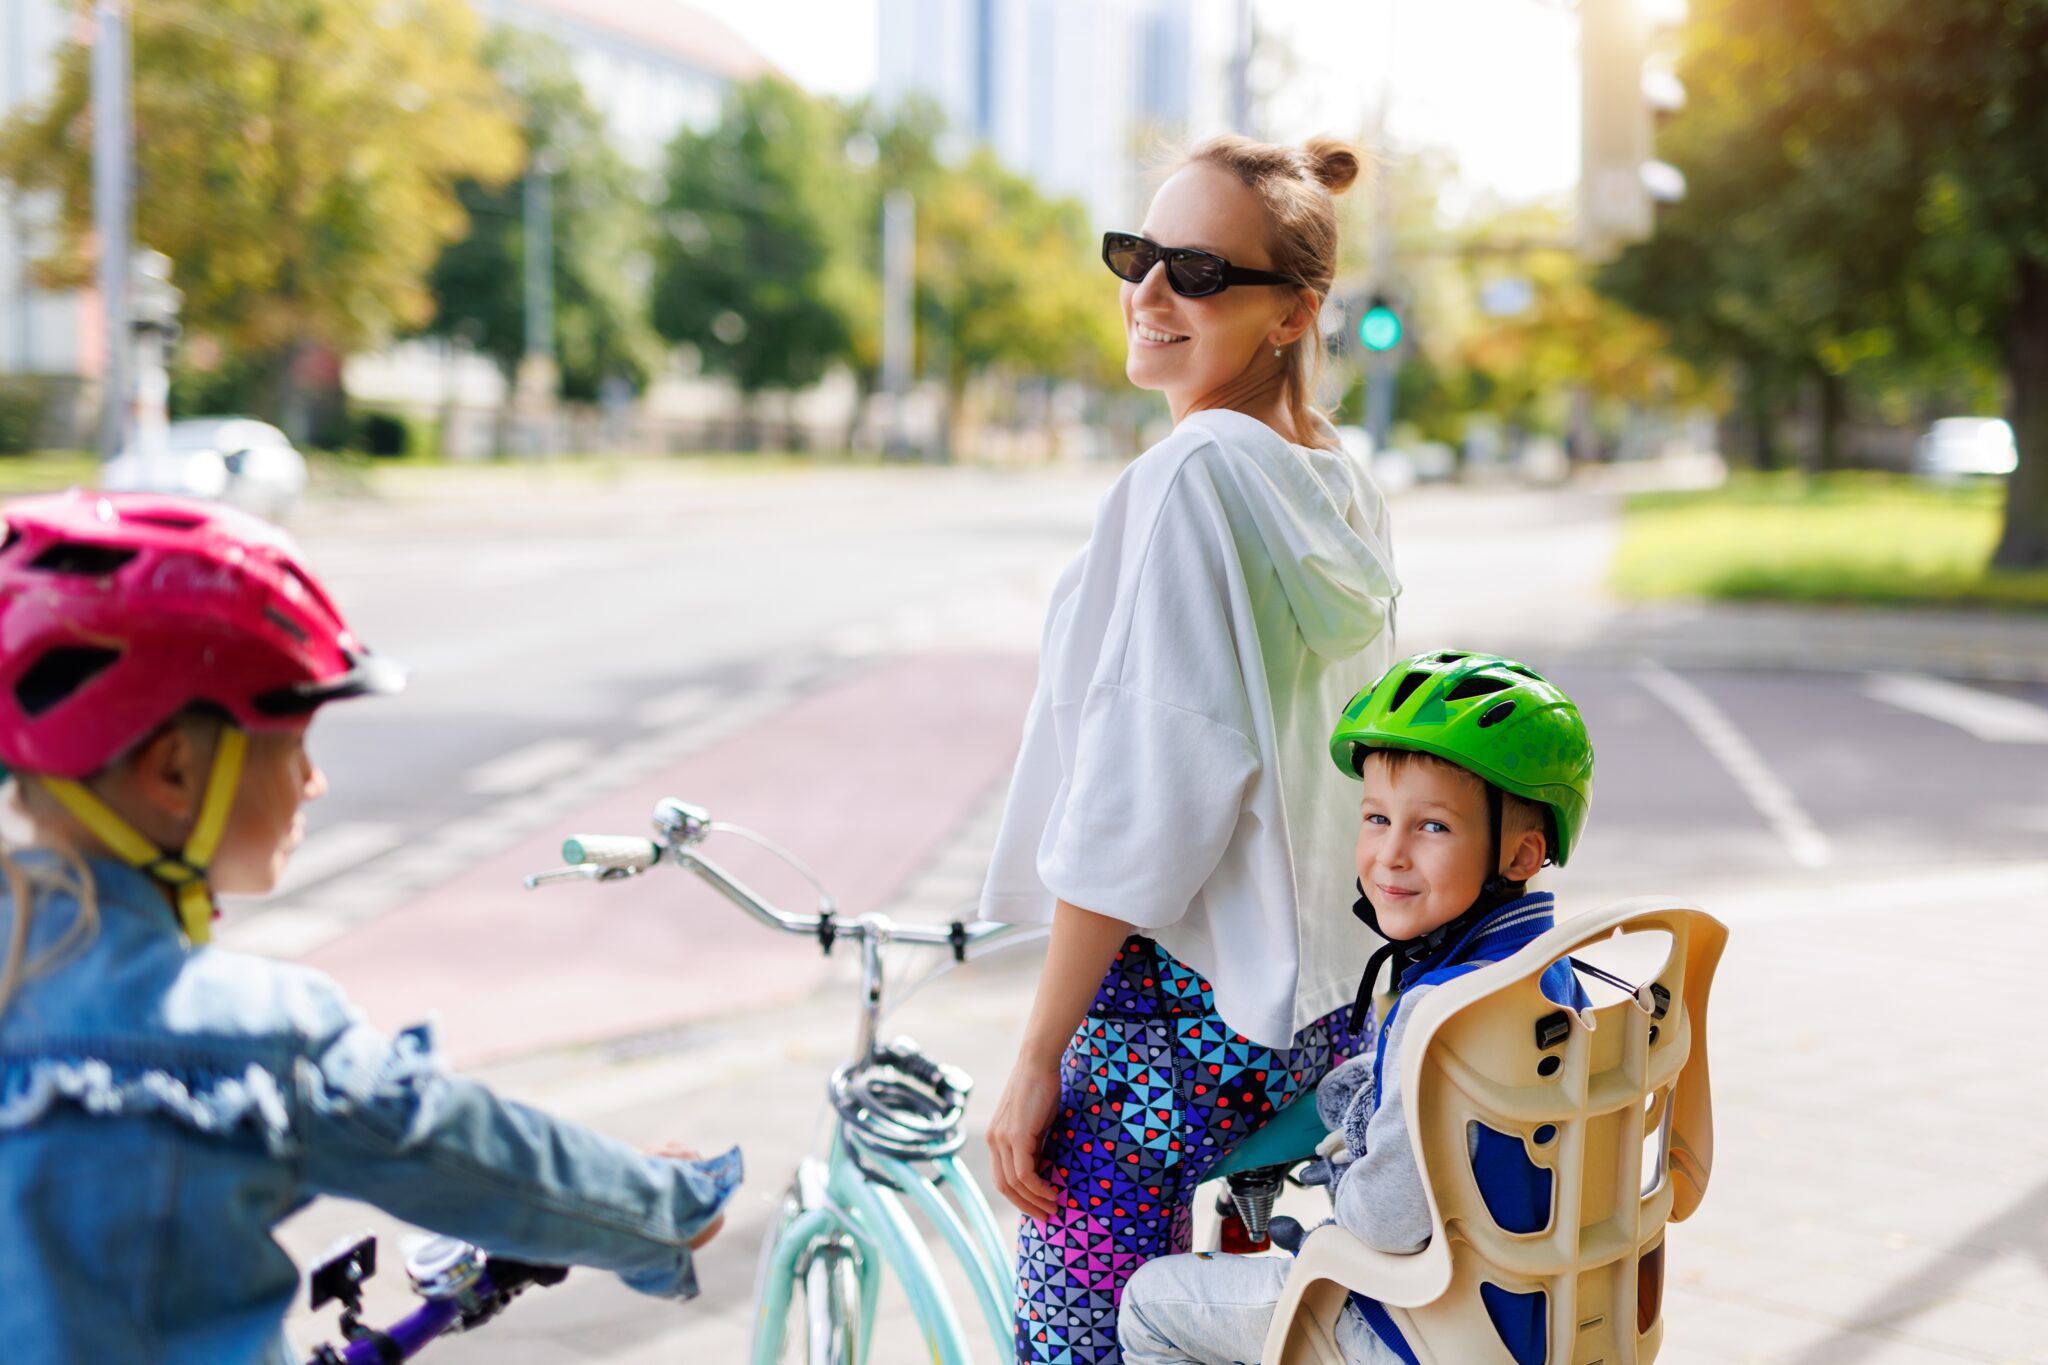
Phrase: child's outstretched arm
(381, 1120)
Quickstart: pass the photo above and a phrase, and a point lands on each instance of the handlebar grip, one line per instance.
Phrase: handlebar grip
(610, 850)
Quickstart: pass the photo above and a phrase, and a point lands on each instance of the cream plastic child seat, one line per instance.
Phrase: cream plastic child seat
(1611, 1099)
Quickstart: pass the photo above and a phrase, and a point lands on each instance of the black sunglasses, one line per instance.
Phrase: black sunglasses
(1192, 274)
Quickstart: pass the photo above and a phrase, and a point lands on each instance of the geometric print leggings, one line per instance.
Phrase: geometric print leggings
(1154, 1090)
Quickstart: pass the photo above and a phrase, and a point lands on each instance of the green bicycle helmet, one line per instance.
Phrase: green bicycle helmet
(1492, 716)
(1496, 719)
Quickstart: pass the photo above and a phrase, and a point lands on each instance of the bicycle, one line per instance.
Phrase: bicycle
(893, 1148)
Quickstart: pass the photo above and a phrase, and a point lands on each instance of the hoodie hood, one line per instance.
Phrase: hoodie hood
(1322, 525)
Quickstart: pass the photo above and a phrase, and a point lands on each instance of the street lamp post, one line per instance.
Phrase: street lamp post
(899, 323)
(111, 145)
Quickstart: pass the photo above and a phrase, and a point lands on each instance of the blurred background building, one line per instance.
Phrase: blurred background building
(1076, 94)
(41, 333)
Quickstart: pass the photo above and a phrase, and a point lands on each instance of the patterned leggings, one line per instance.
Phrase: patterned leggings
(1154, 1090)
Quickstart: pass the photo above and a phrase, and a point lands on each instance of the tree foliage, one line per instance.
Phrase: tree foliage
(296, 160)
(601, 228)
(1867, 193)
(754, 265)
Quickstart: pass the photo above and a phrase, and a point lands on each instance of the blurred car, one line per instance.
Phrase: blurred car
(233, 459)
(1957, 446)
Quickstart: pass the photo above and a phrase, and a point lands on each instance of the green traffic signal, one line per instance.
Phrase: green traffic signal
(1380, 328)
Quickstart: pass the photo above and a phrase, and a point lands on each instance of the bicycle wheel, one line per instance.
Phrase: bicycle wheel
(807, 1301)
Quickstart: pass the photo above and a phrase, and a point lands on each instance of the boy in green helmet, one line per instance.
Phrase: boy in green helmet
(1475, 773)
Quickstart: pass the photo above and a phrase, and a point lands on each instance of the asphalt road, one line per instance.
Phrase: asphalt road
(550, 635)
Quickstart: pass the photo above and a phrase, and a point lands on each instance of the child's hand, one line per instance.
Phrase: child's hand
(676, 1151)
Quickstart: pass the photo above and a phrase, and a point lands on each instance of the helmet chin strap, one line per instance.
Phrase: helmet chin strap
(1495, 892)
(183, 874)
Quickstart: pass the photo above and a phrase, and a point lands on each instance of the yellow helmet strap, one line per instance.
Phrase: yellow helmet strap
(183, 873)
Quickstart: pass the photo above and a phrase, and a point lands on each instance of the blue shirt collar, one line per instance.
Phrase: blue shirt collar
(1495, 936)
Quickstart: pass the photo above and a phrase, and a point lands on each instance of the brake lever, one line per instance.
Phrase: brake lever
(581, 872)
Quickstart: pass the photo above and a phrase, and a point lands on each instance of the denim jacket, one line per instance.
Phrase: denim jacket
(163, 1107)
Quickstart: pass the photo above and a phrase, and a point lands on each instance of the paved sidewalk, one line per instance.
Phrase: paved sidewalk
(1879, 1194)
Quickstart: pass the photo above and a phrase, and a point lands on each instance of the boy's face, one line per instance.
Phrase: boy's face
(1422, 844)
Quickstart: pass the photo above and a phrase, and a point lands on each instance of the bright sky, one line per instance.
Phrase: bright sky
(1495, 81)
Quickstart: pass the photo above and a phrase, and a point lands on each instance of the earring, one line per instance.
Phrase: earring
(1276, 353)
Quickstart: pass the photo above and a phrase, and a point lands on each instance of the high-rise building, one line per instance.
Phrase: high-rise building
(40, 332)
(1072, 93)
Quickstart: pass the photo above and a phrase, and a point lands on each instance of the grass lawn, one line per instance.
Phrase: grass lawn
(1852, 538)
(350, 474)
(47, 471)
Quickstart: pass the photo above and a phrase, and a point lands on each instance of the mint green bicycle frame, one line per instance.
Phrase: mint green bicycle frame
(890, 1163)
(875, 1223)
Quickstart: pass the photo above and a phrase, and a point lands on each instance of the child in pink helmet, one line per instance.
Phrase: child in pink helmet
(164, 1103)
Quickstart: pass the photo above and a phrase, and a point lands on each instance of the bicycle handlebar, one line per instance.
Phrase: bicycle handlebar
(681, 827)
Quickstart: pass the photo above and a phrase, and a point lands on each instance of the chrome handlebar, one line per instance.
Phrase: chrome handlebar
(680, 827)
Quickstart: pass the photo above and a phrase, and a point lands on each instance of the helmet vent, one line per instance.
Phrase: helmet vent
(1450, 658)
(1497, 713)
(60, 673)
(7, 541)
(1405, 690)
(91, 561)
(170, 521)
(1478, 686)
(285, 624)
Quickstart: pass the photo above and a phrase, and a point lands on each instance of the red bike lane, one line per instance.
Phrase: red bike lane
(865, 779)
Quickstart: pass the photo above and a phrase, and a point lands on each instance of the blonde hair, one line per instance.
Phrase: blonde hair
(1297, 186)
(25, 883)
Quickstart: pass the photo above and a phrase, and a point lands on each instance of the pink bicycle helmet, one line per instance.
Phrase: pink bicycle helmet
(119, 611)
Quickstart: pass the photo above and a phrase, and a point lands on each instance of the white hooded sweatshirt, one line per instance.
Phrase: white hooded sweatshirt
(1235, 593)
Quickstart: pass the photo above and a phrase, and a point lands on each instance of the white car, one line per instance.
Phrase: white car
(233, 459)
(1958, 446)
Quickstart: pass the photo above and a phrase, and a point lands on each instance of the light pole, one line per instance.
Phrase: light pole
(112, 144)
(537, 373)
(899, 323)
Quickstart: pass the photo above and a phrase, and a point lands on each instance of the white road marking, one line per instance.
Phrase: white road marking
(1725, 741)
(673, 708)
(535, 787)
(1987, 715)
(285, 933)
(526, 768)
(329, 852)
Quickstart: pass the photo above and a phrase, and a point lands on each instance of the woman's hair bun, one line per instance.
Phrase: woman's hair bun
(1333, 161)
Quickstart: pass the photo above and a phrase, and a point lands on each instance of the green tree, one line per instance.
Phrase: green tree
(1007, 279)
(297, 161)
(601, 237)
(754, 265)
(1882, 163)
(893, 149)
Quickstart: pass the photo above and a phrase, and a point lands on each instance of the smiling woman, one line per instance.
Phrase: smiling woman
(1172, 815)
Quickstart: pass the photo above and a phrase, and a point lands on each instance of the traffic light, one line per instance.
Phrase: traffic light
(1623, 95)
(1379, 329)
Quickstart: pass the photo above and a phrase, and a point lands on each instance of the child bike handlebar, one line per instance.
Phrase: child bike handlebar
(463, 1288)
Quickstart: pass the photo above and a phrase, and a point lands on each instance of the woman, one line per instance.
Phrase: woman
(1172, 814)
